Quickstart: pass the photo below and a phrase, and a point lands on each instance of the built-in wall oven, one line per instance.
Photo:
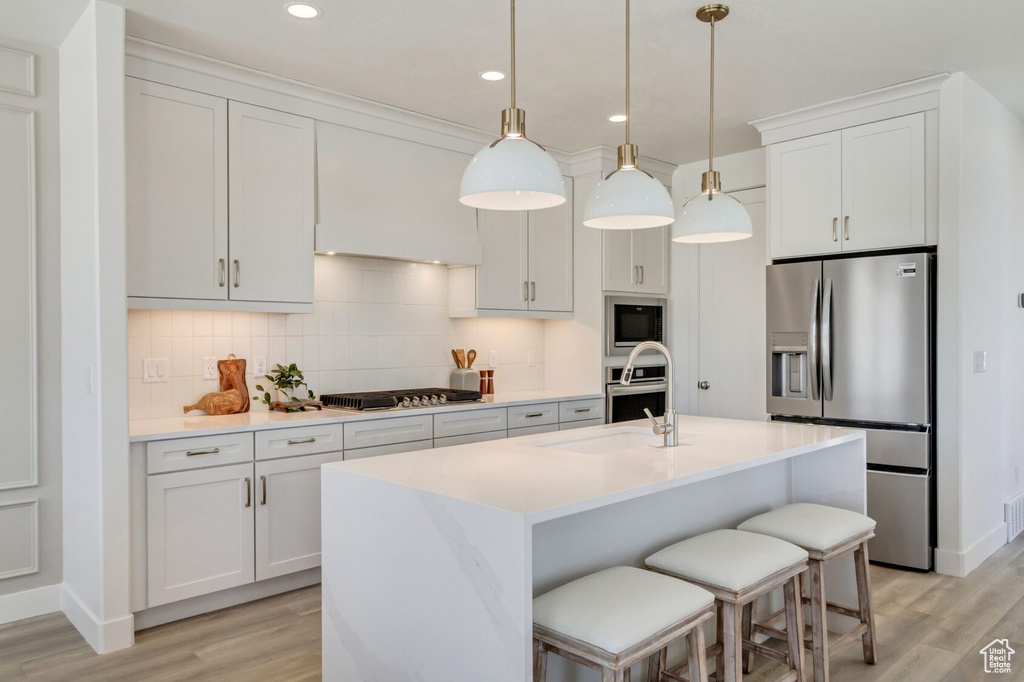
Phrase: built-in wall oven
(646, 390)
(629, 321)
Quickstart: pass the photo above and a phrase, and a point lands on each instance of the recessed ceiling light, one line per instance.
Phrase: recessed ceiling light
(617, 118)
(302, 10)
(436, 262)
(493, 75)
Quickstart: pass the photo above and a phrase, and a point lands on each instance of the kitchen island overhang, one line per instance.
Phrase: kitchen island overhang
(431, 559)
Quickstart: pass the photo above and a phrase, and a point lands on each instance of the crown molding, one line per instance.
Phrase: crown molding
(895, 100)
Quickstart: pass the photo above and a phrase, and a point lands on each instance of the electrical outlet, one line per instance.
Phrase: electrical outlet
(155, 370)
(531, 359)
(492, 359)
(259, 365)
(980, 361)
(209, 367)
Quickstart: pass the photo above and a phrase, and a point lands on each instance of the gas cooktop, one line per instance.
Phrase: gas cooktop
(395, 400)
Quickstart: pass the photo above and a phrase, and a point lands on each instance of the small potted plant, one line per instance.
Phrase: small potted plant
(285, 380)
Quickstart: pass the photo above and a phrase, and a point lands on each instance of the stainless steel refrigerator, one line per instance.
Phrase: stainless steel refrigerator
(851, 343)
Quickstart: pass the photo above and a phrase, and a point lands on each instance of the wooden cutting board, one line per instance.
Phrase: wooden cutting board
(232, 377)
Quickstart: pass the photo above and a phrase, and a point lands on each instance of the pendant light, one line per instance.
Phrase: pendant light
(712, 216)
(512, 173)
(629, 198)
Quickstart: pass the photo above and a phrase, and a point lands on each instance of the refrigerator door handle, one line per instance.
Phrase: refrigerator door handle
(826, 342)
(812, 343)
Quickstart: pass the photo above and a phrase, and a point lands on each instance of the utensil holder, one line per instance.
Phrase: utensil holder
(464, 379)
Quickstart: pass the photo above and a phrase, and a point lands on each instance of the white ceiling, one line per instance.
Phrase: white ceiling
(773, 56)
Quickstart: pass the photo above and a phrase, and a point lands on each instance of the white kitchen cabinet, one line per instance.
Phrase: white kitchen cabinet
(287, 501)
(200, 532)
(636, 260)
(270, 229)
(856, 189)
(527, 268)
(177, 192)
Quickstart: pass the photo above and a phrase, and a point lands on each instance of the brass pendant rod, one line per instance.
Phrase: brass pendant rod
(628, 117)
(512, 71)
(711, 116)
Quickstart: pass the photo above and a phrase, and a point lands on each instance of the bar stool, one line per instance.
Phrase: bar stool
(737, 568)
(611, 619)
(826, 533)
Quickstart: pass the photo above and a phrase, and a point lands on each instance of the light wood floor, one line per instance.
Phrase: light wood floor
(930, 628)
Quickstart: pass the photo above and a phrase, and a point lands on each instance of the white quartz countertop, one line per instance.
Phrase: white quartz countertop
(141, 430)
(542, 483)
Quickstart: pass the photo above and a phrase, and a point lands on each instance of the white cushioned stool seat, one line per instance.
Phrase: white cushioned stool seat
(732, 559)
(813, 526)
(618, 607)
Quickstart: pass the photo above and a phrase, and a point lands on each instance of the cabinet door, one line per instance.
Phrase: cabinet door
(618, 272)
(271, 223)
(650, 254)
(502, 281)
(805, 195)
(287, 499)
(177, 192)
(884, 184)
(199, 528)
(550, 256)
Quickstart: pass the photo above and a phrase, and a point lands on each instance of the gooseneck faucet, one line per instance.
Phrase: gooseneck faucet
(666, 427)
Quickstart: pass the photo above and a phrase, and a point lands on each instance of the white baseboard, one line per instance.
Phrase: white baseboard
(959, 564)
(103, 636)
(29, 603)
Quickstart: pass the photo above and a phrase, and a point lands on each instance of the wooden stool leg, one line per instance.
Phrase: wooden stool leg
(698, 655)
(860, 560)
(732, 641)
(656, 664)
(720, 638)
(540, 661)
(748, 629)
(819, 623)
(795, 626)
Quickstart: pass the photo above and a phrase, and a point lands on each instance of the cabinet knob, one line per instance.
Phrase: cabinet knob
(703, 385)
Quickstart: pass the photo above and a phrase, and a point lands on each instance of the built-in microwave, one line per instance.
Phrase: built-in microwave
(629, 321)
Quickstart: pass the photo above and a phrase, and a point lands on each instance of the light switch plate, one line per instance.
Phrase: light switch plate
(210, 367)
(492, 359)
(980, 361)
(156, 370)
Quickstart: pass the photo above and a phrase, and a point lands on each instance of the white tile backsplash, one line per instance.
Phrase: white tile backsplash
(377, 324)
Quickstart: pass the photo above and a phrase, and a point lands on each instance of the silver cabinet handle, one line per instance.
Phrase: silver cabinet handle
(835, 224)
(238, 273)
(302, 441)
(846, 228)
(526, 291)
(534, 415)
(211, 451)
(703, 385)
(812, 344)
(580, 410)
(826, 342)
(248, 491)
(533, 291)
(263, 481)
(641, 274)
(223, 271)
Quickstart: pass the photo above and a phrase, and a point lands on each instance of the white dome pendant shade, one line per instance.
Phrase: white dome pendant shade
(512, 173)
(629, 198)
(712, 216)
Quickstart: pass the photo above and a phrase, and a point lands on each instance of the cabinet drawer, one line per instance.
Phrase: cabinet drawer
(470, 421)
(304, 440)
(582, 424)
(470, 438)
(532, 430)
(387, 431)
(577, 410)
(194, 453)
(389, 449)
(532, 415)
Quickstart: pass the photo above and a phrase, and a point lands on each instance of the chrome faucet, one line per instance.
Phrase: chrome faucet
(668, 426)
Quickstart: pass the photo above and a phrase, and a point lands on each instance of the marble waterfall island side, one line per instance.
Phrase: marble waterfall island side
(431, 559)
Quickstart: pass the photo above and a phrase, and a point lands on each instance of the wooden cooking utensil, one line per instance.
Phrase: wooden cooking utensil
(470, 357)
(462, 357)
(455, 355)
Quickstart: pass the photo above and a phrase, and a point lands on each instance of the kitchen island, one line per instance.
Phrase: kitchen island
(431, 559)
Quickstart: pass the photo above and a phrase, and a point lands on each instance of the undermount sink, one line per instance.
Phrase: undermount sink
(603, 442)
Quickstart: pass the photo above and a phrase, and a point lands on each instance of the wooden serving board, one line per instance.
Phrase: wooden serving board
(295, 406)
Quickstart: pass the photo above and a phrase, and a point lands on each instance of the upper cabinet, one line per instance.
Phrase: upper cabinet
(636, 260)
(393, 198)
(190, 155)
(527, 268)
(857, 189)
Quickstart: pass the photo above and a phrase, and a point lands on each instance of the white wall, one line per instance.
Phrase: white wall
(31, 594)
(980, 273)
(94, 406)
